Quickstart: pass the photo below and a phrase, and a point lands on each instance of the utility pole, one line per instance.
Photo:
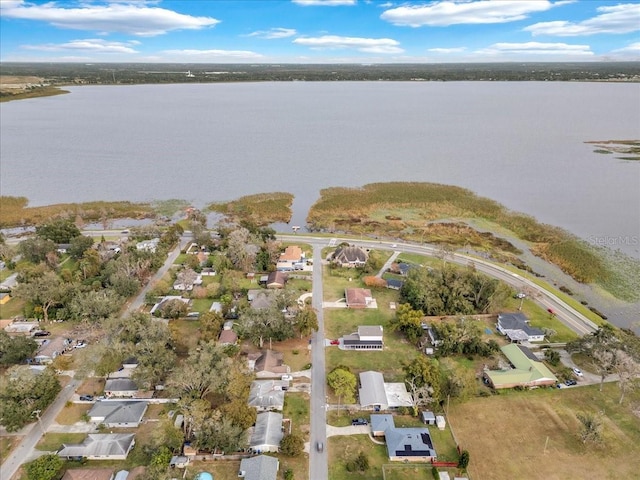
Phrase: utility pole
(37, 415)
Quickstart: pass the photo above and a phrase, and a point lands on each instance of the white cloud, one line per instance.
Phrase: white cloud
(447, 50)
(623, 18)
(370, 45)
(94, 45)
(632, 48)
(453, 12)
(536, 49)
(131, 18)
(213, 54)
(272, 33)
(324, 3)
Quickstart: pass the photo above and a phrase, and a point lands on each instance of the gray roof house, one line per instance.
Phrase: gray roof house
(267, 433)
(403, 444)
(261, 467)
(120, 413)
(267, 395)
(375, 394)
(120, 387)
(100, 446)
(516, 327)
(270, 364)
(349, 256)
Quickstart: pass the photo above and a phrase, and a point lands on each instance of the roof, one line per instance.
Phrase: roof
(372, 389)
(277, 277)
(261, 467)
(291, 254)
(357, 296)
(88, 474)
(349, 254)
(381, 422)
(269, 361)
(120, 385)
(121, 411)
(100, 444)
(228, 336)
(403, 442)
(518, 321)
(260, 298)
(266, 394)
(268, 430)
(528, 370)
(370, 330)
(393, 283)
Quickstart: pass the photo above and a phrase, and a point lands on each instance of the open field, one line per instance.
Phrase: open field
(409, 210)
(502, 449)
(344, 449)
(12, 308)
(73, 413)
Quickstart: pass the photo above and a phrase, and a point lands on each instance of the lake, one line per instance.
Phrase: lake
(520, 143)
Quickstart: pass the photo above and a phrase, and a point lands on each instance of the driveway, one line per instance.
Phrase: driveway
(587, 378)
(350, 430)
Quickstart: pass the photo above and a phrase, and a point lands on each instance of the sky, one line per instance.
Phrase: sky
(319, 31)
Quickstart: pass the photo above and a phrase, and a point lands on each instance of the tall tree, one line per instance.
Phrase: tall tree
(422, 372)
(58, 231)
(343, 383)
(46, 291)
(14, 350)
(307, 322)
(408, 321)
(205, 371)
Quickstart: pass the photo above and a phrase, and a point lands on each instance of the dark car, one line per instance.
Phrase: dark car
(86, 398)
(570, 383)
(359, 421)
(41, 333)
(320, 446)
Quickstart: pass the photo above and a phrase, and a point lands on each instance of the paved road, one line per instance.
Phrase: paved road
(25, 451)
(318, 461)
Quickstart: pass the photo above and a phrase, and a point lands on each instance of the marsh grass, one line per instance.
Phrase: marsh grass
(261, 209)
(409, 210)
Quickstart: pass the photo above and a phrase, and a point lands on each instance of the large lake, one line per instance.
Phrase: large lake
(520, 143)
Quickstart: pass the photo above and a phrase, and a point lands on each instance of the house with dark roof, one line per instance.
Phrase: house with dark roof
(228, 337)
(270, 364)
(394, 283)
(403, 444)
(527, 371)
(368, 337)
(277, 279)
(267, 433)
(259, 298)
(120, 387)
(100, 446)
(515, 326)
(359, 298)
(261, 467)
(118, 414)
(350, 256)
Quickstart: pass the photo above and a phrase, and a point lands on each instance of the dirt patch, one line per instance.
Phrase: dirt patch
(92, 386)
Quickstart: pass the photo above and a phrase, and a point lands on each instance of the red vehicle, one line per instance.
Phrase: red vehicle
(335, 342)
(551, 311)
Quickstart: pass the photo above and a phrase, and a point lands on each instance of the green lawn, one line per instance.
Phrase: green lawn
(12, 308)
(52, 442)
(296, 408)
(201, 305)
(343, 449)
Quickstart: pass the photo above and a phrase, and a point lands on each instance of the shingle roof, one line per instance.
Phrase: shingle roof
(261, 467)
(372, 390)
(100, 444)
(266, 394)
(118, 411)
(268, 430)
(120, 385)
(403, 442)
(518, 321)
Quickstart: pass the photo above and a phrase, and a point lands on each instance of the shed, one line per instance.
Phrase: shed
(179, 461)
(440, 422)
(428, 418)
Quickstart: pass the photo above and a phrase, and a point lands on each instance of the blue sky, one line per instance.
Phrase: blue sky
(318, 31)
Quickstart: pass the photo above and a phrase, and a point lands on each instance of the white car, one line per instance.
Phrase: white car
(578, 372)
(287, 378)
(80, 345)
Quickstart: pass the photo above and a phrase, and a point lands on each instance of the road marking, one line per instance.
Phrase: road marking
(332, 242)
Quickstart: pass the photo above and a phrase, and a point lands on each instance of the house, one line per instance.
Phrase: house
(270, 364)
(394, 284)
(166, 299)
(208, 272)
(350, 256)
(179, 461)
(63, 248)
(100, 446)
(120, 387)
(261, 467)
(277, 279)
(267, 395)
(186, 280)
(377, 395)
(88, 474)
(259, 298)
(227, 337)
(216, 307)
(267, 433)
(291, 259)
(148, 245)
(22, 328)
(403, 444)
(527, 371)
(516, 327)
(50, 349)
(366, 338)
(359, 298)
(118, 414)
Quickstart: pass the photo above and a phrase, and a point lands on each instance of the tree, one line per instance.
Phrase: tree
(423, 372)
(45, 291)
(463, 461)
(343, 383)
(47, 467)
(628, 370)
(602, 347)
(292, 445)
(456, 381)
(552, 356)
(58, 231)
(210, 326)
(95, 305)
(14, 350)
(35, 249)
(205, 371)
(420, 396)
(173, 309)
(590, 428)
(307, 322)
(408, 321)
(79, 245)
(241, 249)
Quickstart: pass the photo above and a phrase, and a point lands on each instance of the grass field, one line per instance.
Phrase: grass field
(73, 413)
(343, 449)
(506, 434)
(7, 444)
(260, 209)
(52, 442)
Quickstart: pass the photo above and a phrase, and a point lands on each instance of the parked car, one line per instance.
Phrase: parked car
(359, 421)
(578, 372)
(41, 333)
(335, 342)
(570, 383)
(320, 446)
(86, 398)
(80, 345)
(286, 377)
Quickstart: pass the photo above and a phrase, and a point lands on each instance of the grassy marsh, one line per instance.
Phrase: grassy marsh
(261, 209)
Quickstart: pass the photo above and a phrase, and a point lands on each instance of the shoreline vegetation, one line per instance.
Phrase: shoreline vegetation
(623, 149)
(410, 211)
(21, 87)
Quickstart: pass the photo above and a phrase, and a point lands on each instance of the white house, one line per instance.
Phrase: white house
(118, 414)
(267, 433)
(100, 446)
(516, 327)
(366, 338)
(148, 245)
